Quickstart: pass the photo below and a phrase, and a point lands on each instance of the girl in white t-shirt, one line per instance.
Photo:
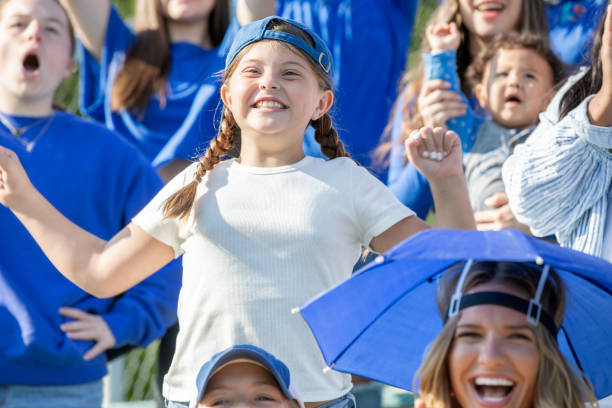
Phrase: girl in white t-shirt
(260, 234)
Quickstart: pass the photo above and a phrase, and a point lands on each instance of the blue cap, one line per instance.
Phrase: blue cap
(252, 353)
(257, 31)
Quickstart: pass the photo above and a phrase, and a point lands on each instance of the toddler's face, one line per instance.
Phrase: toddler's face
(243, 384)
(516, 87)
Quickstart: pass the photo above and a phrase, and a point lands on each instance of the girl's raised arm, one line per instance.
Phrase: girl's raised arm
(89, 19)
(102, 268)
(250, 10)
(437, 154)
(600, 107)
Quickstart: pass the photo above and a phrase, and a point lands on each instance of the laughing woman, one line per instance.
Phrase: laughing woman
(489, 354)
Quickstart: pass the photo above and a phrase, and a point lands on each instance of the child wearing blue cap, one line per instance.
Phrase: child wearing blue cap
(245, 374)
(262, 233)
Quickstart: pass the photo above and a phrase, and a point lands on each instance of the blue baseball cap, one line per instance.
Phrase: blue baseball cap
(257, 31)
(252, 354)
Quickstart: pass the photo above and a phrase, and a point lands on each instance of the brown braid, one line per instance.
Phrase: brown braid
(327, 137)
(179, 204)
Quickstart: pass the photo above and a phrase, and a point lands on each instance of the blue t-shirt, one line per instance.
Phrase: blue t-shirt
(183, 127)
(99, 181)
(369, 41)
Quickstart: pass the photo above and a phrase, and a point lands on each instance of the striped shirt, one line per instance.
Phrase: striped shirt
(558, 181)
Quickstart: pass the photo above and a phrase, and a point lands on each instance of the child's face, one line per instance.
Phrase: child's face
(35, 48)
(274, 93)
(515, 87)
(243, 384)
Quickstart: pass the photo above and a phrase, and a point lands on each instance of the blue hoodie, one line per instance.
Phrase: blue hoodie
(99, 181)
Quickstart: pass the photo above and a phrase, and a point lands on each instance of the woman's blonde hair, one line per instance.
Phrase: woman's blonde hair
(147, 63)
(180, 203)
(533, 20)
(558, 385)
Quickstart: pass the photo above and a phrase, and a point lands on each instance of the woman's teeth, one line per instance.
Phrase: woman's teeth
(269, 104)
(493, 381)
(493, 389)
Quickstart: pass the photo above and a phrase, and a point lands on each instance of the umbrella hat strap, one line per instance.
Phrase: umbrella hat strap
(531, 308)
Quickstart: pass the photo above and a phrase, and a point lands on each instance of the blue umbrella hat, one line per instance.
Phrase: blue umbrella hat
(379, 323)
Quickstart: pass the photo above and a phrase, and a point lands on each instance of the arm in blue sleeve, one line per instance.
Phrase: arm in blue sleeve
(94, 74)
(404, 180)
(444, 66)
(144, 312)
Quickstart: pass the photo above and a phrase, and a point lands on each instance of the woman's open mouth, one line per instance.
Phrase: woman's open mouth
(493, 391)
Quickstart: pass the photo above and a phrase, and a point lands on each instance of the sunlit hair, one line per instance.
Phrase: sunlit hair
(513, 40)
(180, 203)
(147, 63)
(558, 385)
(533, 19)
(68, 22)
(590, 83)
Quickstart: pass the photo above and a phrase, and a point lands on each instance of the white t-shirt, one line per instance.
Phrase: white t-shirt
(259, 242)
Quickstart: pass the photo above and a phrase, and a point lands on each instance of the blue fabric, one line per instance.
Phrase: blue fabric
(87, 395)
(369, 42)
(572, 27)
(379, 309)
(190, 118)
(99, 182)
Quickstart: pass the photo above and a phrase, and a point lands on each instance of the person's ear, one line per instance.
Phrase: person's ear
(480, 91)
(325, 102)
(226, 96)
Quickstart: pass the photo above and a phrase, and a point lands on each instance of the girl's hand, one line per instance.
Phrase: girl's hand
(437, 104)
(436, 153)
(15, 186)
(442, 37)
(86, 326)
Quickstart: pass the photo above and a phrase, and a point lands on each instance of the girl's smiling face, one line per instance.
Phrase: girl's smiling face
(486, 18)
(35, 48)
(494, 358)
(274, 92)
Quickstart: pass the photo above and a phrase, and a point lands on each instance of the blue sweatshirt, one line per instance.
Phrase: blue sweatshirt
(98, 181)
(182, 127)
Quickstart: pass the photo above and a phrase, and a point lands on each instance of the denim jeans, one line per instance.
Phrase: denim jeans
(345, 401)
(88, 395)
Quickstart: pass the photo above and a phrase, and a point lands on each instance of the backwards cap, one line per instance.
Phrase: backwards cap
(258, 30)
(251, 354)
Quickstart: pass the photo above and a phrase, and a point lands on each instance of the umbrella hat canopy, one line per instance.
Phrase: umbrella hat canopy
(378, 323)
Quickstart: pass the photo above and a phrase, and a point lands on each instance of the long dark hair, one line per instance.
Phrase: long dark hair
(147, 64)
(591, 81)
